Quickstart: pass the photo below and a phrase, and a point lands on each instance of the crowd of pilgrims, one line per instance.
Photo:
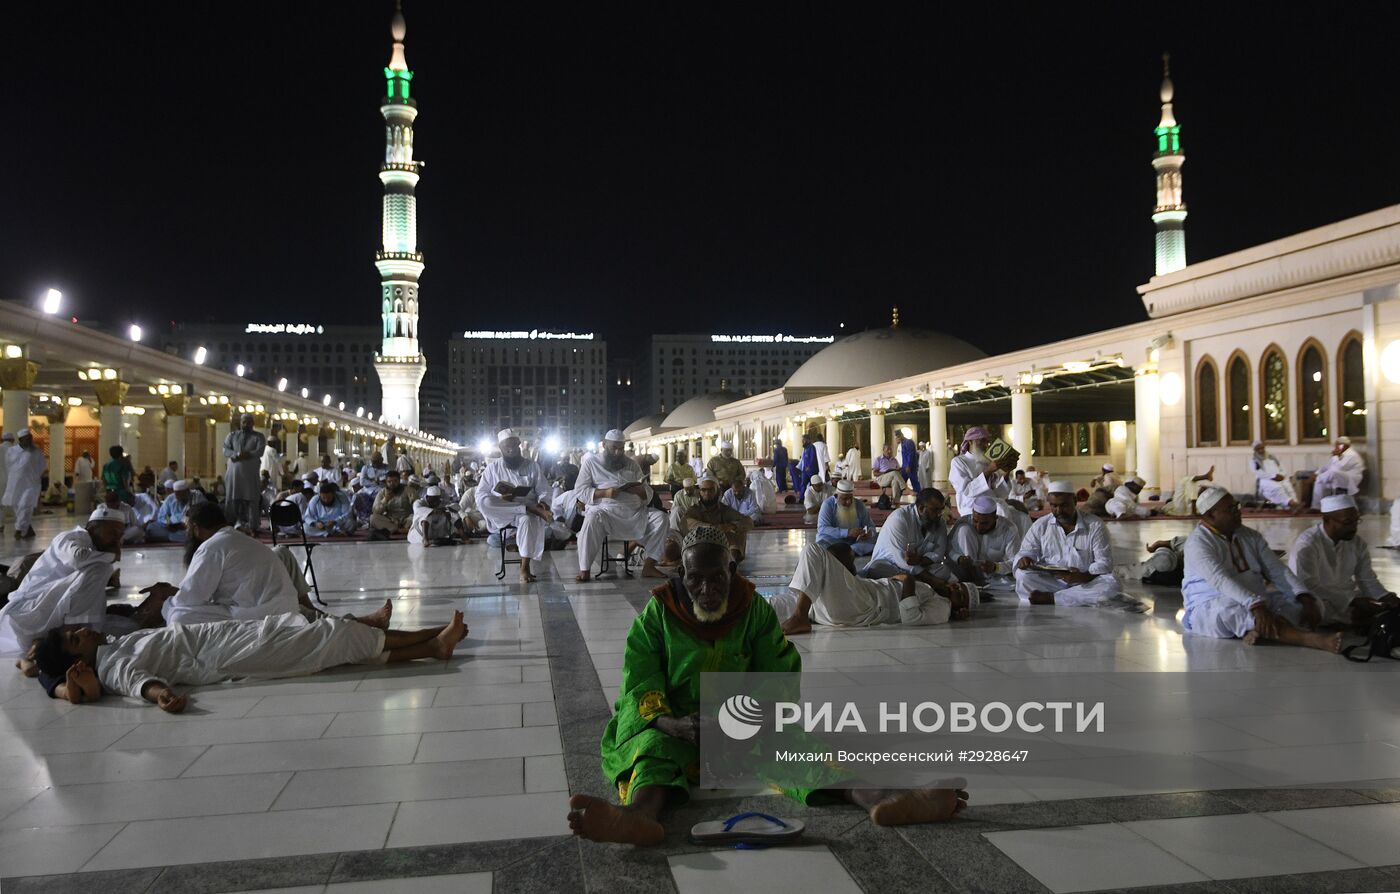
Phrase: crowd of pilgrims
(242, 608)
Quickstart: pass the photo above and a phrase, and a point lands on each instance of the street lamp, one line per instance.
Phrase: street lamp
(239, 370)
(282, 384)
(53, 298)
(305, 392)
(200, 355)
(134, 332)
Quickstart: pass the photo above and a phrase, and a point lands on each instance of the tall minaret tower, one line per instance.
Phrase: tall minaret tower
(1170, 213)
(399, 362)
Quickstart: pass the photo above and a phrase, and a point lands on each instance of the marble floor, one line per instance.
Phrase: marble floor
(455, 777)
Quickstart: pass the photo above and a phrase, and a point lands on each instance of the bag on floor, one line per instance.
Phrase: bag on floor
(884, 502)
(1383, 639)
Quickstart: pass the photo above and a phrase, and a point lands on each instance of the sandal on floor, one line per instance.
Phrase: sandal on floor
(748, 830)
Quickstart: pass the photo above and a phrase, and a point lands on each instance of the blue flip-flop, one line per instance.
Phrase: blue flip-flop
(746, 830)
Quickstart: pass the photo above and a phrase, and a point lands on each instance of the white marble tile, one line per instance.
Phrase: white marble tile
(49, 851)
(424, 675)
(545, 773)
(478, 744)
(1283, 767)
(305, 754)
(504, 693)
(425, 720)
(195, 731)
(1091, 858)
(340, 702)
(1369, 833)
(65, 740)
(112, 710)
(121, 766)
(108, 802)
(405, 782)
(811, 868)
(1243, 846)
(465, 883)
(480, 819)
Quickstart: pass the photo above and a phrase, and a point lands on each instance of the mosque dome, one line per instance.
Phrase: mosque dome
(879, 355)
(652, 421)
(699, 410)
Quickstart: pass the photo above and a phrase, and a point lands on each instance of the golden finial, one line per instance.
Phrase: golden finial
(894, 321)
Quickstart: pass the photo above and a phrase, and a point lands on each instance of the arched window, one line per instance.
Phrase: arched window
(1313, 423)
(1207, 403)
(1351, 387)
(1273, 396)
(1238, 396)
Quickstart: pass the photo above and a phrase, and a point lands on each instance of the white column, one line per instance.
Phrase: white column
(1021, 422)
(877, 434)
(16, 410)
(175, 440)
(58, 453)
(833, 438)
(313, 446)
(705, 450)
(1130, 450)
(938, 441)
(109, 430)
(1147, 415)
(1118, 445)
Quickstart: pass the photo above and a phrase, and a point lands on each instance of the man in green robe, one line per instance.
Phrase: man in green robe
(708, 620)
(725, 467)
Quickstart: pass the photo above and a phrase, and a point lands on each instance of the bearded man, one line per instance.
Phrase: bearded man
(244, 450)
(711, 511)
(610, 486)
(972, 475)
(514, 491)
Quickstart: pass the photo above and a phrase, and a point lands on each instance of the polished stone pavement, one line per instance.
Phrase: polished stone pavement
(433, 777)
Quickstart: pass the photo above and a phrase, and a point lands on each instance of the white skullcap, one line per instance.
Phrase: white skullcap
(845, 487)
(506, 434)
(984, 505)
(1342, 440)
(24, 432)
(615, 435)
(1337, 502)
(105, 513)
(726, 445)
(1062, 487)
(1257, 444)
(433, 491)
(688, 482)
(309, 476)
(708, 477)
(1108, 467)
(1207, 498)
(182, 484)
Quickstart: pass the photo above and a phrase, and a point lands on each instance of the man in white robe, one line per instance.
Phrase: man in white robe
(514, 491)
(681, 503)
(434, 519)
(1273, 485)
(743, 499)
(134, 532)
(1065, 558)
(845, 519)
(926, 470)
(244, 449)
(617, 498)
(1341, 475)
(983, 547)
(823, 457)
(850, 469)
(1124, 502)
(812, 500)
(972, 475)
(765, 491)
(147, 664)
(24, 478)
(472, 519)
(7, 440)
(1233, 585)
(230, 575)
(1183, 501)
(1334, 565)
(273, 463)
(826, 590)
(67, 584)
(1108, 478)
(913, 540)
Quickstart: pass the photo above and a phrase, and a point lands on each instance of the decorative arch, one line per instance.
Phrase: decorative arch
(1239, 399)
(1207, 381)
(1351, 386)
(1314, 422)
(1273, 396)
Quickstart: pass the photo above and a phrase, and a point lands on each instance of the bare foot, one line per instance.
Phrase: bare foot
(796, 626)
(1250, 638)
(380, 618)
(584, 577)
(27, 667)
(649, 569)
(527, 578)
(1040, 597)
(1327, 642)
(446, 641)
(597, 820)
(918, 805)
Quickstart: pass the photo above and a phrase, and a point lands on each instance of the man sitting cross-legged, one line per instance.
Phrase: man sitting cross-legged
(434, 520)
(514, 491)
(846, 519)
(742, 498)
(393, 508)
(709, 619)
(1334, 565)
(711, 511)
(610, 485)
(1065, 558)
(983, 547)
(329, 513)
(1235, 587)
(913, 540)
(147, 664)
(826, 590)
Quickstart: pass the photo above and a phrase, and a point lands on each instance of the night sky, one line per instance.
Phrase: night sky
(664, 167)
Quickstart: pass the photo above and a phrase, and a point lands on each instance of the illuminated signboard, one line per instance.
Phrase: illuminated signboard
(533, 333)
(775, 339)
(284, 329)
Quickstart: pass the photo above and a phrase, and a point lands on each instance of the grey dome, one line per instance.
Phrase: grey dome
(652, 421)
(699, 410)
(881, 355)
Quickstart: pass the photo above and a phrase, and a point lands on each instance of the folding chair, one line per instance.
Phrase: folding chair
(608, 560)
(285, 513)
(501, 535)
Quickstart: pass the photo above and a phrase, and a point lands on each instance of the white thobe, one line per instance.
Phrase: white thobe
(82, 470)
(853, 464)
(202, 654)
(926, 474)
(1222, 578)
(764, 490)
(905, 530)
(1085, 547)
(1280, 493)
(530, 529)
(1125, 503)
(823, 461)
(841, 599)
(1109, 481)
(231, 577)
(812, 502)
(471, 515)
(621, 517)
(1336, 572)
(272, 463)
(1342, 473)
(241, 479)
(998, 546)
(67, 585)
(967, 475)
(24, 475)
(440, 527)
(146, 507)
(698, 466)
(682, 502)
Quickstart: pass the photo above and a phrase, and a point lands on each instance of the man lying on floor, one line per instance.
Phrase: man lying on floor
(85, 665)
(826, 590)
(709, 619)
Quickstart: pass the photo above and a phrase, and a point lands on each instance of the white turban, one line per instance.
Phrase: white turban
(984, 505)
(1342, 440)
(180, 485)
(1207, 498)
(688, 482)
(726, 445)
(1108, 467)
(845, 487)
(615, 435)
(1337, 502)
(106, 513)
(506, 434)
(433, 491)
(1062, 487)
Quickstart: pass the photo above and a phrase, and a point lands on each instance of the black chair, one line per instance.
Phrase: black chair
(286, 514)
(608, 560)
(501, 535)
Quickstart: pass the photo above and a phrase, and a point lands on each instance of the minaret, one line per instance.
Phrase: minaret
(399, 362)
(1170, 213)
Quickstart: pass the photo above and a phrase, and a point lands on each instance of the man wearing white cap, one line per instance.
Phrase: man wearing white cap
(913, 540)
(711, 510)
(244, 449)
(846, 519)
(681, 502)
(514, 491)
(7, 440)
(1124, 502)
(972, 475)
(434, 522)
(1065, 558)
(24, 470)
(1108, 478)
(169, 524)
(68, 583)
(1334, 564)
(1235, 587)
(329, 512)
(743, 499)
(1341, 475)
(725, 467)
(611, 486)
(764, 490)
(1273, 485)
(983, 547)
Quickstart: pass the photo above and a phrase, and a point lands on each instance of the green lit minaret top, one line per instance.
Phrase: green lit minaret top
(1168, 131)
(396, 74)
(1169, 214)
